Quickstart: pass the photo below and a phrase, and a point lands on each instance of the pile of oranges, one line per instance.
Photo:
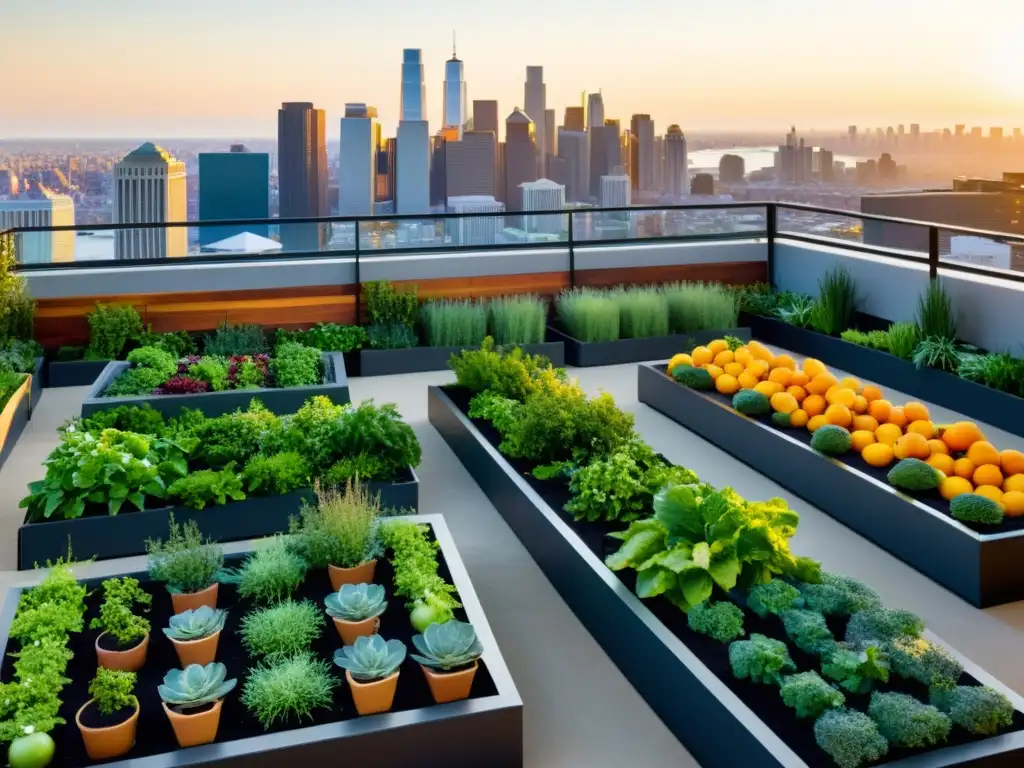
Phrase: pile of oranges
(880, 432)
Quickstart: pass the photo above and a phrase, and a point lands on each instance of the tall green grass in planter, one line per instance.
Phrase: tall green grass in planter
(701, 306)
(454, 322)
(643, 312)
(518, 319)
(837, 301)
(935, 315)
(902, 339)
(589, 315)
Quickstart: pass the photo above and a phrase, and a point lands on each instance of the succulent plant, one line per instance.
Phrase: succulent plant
(195, 624)
(196, 685)
(447, 646)
(371, 658)
(356, 602)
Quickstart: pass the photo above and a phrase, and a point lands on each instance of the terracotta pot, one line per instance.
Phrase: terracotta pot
(450, 686)
(131, 660)
(201, 651)
(189, 601)
(374, 697)
(361, 574)
(199, 728)
(113, 741)
(350, 630)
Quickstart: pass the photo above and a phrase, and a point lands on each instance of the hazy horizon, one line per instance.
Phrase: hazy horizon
(195, 70)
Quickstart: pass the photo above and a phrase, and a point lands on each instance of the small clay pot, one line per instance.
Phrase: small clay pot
(197, 728)
(450, 686)
(350, 630)
(361, 574)
(189, 601)
(131, 660)
(373, 697)
(203, 651)
(112, 741)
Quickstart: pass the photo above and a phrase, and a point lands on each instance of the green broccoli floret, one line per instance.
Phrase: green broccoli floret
(773, 597)
(975, 708)
(921, 660)
(720, 621)
(881, 625)
(906, 722)
(760, 659)
(751, 403)
(694, 378)
(832, 440)
(809, 695)
(915, 475)
(975, 508)
(839, 595)
(808, 631)
(857, 671)
(850, 738)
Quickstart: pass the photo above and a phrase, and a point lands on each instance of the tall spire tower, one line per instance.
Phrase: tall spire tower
(454, 96)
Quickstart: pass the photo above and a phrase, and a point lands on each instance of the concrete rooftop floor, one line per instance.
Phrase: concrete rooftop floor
(578, 709)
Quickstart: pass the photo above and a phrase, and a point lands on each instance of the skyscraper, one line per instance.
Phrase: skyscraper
(454, 93)
(572, 146)
(535, 103)
(595, 110)
(613, 146)
(37, 206)
(550, 134)
(677, 172)
(574, 119)
(485, 116)
(520, 156)
(595, 135)
(412, 167)
(469, 165)
(732, 169)
(149, 187)
(302, 173)
(233, 185)
(475, 230)
(357, 161)
(543, 195)
(615, 191)
(414, 89)
(641, 165)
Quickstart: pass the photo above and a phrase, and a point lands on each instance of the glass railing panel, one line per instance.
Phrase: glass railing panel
(990, 253)
(466, 231)
(593, 225)
(841, 228)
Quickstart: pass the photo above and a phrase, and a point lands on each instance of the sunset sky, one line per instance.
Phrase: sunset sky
(220, 68)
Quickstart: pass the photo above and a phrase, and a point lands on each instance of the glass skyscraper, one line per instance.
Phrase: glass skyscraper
(414, 96)
(233, 185)
(454, 94)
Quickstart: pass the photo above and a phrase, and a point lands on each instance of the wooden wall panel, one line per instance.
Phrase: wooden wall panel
(730, 273)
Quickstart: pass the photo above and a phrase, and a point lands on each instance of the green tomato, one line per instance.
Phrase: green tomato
(32, 751)
(423, 615)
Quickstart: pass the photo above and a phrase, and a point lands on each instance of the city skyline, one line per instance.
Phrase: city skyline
(206, 74)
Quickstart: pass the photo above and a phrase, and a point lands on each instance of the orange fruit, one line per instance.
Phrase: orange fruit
(1011, 462)
(784, 361)
(877, 454)
(813, 367)
(1013, 503)
(991, 492)
(871, 393)
(860, 404)
(814, 405)
(701, 356)
(714, 370)
(916, 412)
(799, 418)
(911, 446)
(960, 436)
(727, 384)
(760, 366)
(723, 358)
(742, 356)
(880, 410)
(734, 369)
(865, 422)
(747, 380)
(821, 383)
(888, 434)
(800, 379)
(679, 360)
(768, 388)
(1014, 483)
(964, 468)
(942, 462)
(938, 446)
(898, 417)
(798, 393)
(839, 415)
(850, 383)
(760, 352)
(783, 402)
(781, 376)
(816, 422)
(837, 395)
(988, 474)
(983, 453)
(923, 427)
(862, 438)
(718, 345)
(954, 486)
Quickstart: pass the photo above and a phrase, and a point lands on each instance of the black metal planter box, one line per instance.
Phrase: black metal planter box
(588, 354)
(37, 385)
(125, 534)
(973, 400)
(13, 419)
(984, 569)
(385, 362)
(485, 730)
(279, 401)
(74, 373)
(710, 720)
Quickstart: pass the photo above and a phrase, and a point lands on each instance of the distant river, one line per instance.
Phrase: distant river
(756, 158)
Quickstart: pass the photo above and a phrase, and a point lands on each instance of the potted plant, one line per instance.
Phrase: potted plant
(192, 699)
(371, 668)
(188, 564)
(340, 533)
(356, 609)
(124, 641)
(195, 634)
(448, 655)
(109, 719)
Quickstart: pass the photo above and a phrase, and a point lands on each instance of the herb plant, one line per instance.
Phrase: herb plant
(773, 597)
(850, 738)
(589, 315)
(837, 301)
(116, 612)
(111, 327)
(294, 365)
(808, 631)
(518, 319)
(901, 340)
(288, 690)
(938, 353)
(809, 695)
(643, 312)
(454, 322)
(386, 306)
(414, 560)
(393, 336)
(208, 486)
(270, 574)
(907, 722)
(177, 343)
(327, 337)
(935, 316)
(281, 630)
(230, 340)
(113, 690)
(999, 371)
(977, 709)
(839, 595)
(797, 310)
(700, 307)
(857, 671)
(274, 475)
(760, 659)
(341, 529)
(187, 561)
(144, 419)
(720, 621)
(508, 374)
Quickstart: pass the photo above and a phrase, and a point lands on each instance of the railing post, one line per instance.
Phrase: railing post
(933, 253)
(359, 284)
(771, 228)
(572, 255)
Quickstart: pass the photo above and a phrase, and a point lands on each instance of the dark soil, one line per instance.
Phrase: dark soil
(93, 718)
(110, 643)
(764, 700)
(155, 735)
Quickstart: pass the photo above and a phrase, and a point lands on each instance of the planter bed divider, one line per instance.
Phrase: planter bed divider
(14, 417)
(982, 568)
(973, 400)
(74, 373)
(37, 385)
(103, 537)
(486, 729)
(582, 354)
(715, 724)
(276, 400)
(386, 362)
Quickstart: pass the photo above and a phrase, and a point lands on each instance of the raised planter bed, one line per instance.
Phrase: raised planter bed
(982, 567)
(969, 398)
(587, 354)
(721, 722)
(485, 729)
(37, 385)
(385, 362)
(74, 373)
(277, 400)
(104, 536)
(13, 418)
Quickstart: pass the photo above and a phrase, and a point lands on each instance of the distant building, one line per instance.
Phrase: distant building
(825, 165)
(543, 195)
(703, 184)
(520, 156)
(455, 113)
(558, 171)
(357, 161)
(414, 89)
(677, 169)
(574, 119)
(470, 165)
(385, 172)
(641, 165)
(302, 174)
(474, 230)
(485, 116)
(598, 153)
(233, 185)
(573, 148)
(535, 104)
(149, 188)
(412, 172)
(613, 146)
(732, 169)
(550, 136)
(615, 192)
(37, 206)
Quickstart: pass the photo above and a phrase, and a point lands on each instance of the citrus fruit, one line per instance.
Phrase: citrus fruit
(983, 453)
(813, 367)
(814, 405)
(742, 355)
(1011, 462)
(701, 356)
(942, 462)
(954, 486)
(916, 412)
(800, 379)
(861, 439)
(988, 474)
(768, 388)
(734, 369)
(781, 376)
(1014, 483)
(960, 436)
(727, 384)
(723, 358)
(888, 433)
(924, 428)
(880, 410)
(816, 422)
(799, 418)
(839, 415)
(718, 345)
(784, 361)
(1013, 503)
(911, 446)
(938, 446)
(991, 492)
(797, 392)
(863, 421)
(850, 383)
(898, 417)
(840, 396)
(860, 404)
(783, 402)
(964, 468)
(821, 383)
(680, 359)
(871, 393)
(747, 380)
(877, 454)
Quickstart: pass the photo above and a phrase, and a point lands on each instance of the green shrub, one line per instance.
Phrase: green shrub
(880, 625)
(837, 302)
(135, 381)
(111, 327)
(386, 306)
(231, 437)
(187, 561)
(940, 354)
(116, 616)
(393, 336)
(67, 353)
(701, 307)
(212, 370)
(518, 319)
(850, 738)
(208, 486)
(155, 358)
(901, 339)
(906, 722)
(340, 529)
(977, 709)
(1003, 372)
(113, 690)
(760, 659)
(294, 365)
(935, 316)
(857, 670)
(643, 312)
(289, 690)
(872, 339)
(376, 430)
(271, 573)
(809, 695)
(589, 315)
(141, 419)
(19, 356)
(720, 621)
(230, 340)
(353, 469)
(276, 475)
(797, 310)
(281, 630)
(327, 337)
(509, 374)
(839, 595)
(808, 631)
(773, 597)
(414, 560)
(757, 299)
(922, 660)
(177, 344)
(454, 322)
